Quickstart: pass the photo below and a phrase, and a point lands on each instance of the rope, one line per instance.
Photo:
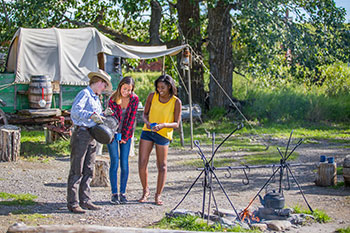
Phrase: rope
(4, 86)
(198, 58)
(177, 70)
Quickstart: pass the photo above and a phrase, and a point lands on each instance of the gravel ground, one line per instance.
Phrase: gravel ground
(48, 182)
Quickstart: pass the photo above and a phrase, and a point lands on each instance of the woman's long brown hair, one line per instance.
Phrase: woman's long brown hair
(116, 95)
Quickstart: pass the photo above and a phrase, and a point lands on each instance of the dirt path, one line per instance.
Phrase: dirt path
(48, 182)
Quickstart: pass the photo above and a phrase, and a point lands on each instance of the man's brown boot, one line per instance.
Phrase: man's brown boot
(76, 210)
(89, 206)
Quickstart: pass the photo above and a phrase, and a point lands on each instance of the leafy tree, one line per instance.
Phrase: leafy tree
(244, 36)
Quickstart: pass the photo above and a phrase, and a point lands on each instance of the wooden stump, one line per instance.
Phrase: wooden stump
(326, 174)
(346, 171)
(10, 143)
(101, 172)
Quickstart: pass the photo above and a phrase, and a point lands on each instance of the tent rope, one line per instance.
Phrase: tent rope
(199, 59)
(4, 86)
(177, 70)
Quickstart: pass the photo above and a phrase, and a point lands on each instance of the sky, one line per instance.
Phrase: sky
(346, 5)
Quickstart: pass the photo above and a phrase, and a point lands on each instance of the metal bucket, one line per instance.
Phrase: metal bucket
(104, 133)
(40, 92)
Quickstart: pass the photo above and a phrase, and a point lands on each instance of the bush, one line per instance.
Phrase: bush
(287, 101)
(336, 79)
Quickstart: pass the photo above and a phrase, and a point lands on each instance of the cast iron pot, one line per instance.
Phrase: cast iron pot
(273, 200)
(104, 133)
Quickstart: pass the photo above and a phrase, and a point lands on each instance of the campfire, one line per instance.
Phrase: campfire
(248, 216)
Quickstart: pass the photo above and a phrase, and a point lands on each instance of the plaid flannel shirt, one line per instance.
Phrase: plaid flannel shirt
(130, 115)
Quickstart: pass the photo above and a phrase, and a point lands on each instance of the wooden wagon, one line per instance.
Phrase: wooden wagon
(64, 57)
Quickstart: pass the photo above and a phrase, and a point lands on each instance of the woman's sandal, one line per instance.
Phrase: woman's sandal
(157, 199)
(145, 196)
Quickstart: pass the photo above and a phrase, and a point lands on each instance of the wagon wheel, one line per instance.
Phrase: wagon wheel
(3, 119)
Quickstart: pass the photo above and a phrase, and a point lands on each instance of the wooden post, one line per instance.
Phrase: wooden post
(101, 172)
(327, 174)
(182, 140)
(48, 135)
(190, 104)
(10, 143)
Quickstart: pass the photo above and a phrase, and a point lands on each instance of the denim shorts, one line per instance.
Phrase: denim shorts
(155, 137)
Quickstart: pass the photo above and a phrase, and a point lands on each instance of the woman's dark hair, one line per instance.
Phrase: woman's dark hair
(168, 80)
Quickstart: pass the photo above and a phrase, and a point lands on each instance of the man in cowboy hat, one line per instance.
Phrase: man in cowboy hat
(86, 112)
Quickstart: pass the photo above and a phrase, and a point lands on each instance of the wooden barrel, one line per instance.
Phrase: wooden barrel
(40, 88)
(346, 171)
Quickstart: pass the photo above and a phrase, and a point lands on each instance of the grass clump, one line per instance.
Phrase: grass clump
(338, 185)
(319, 215)
(31, 219)
(194, 223)
(343, 230)
(17, 199)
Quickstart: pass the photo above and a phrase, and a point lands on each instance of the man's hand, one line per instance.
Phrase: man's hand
(108, 112)
(97, 118)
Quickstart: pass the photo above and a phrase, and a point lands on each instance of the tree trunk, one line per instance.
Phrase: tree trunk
(188, 12)
(220, 54)
(10, 143)
(156, 16)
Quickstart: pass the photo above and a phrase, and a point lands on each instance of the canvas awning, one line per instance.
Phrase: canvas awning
(68, 55)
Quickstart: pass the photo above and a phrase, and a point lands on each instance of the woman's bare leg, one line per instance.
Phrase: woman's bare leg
(162, 154)
(145, 149)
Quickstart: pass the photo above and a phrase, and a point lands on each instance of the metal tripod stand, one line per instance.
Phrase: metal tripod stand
(283, 167)
(209, 173)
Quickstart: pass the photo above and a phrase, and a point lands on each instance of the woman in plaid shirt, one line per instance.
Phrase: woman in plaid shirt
(123, 103)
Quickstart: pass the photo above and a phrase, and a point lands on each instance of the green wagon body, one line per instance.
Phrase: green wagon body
(16, 98)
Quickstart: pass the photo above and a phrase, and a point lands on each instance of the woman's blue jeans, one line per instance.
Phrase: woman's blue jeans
(115, 156)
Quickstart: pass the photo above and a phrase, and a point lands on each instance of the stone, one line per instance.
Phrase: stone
(180, 212)
(259, 226)
(296, 219)
(278, 225)
(225, 212)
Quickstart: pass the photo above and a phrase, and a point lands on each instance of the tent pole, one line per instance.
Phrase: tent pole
(190, 103)
(163, 66)
(60, 98)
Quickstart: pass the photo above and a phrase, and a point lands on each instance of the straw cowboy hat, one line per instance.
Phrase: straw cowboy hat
(102, 75)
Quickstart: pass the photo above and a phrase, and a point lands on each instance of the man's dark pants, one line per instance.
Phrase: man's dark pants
(82, 163)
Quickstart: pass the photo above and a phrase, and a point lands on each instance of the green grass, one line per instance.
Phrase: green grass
(144, 83)
(338, 185)
(33, 146)
(319, 215)
(343, 230)
(269, 157)
(10, 199)
(310, 133)
(194, 223)
(218, 162)
(31, 218)
(340, 170)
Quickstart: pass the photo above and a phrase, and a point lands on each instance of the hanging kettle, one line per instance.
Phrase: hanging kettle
(273, 200)
(104, 133)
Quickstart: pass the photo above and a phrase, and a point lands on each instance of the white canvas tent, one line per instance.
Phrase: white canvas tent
(68, 55)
